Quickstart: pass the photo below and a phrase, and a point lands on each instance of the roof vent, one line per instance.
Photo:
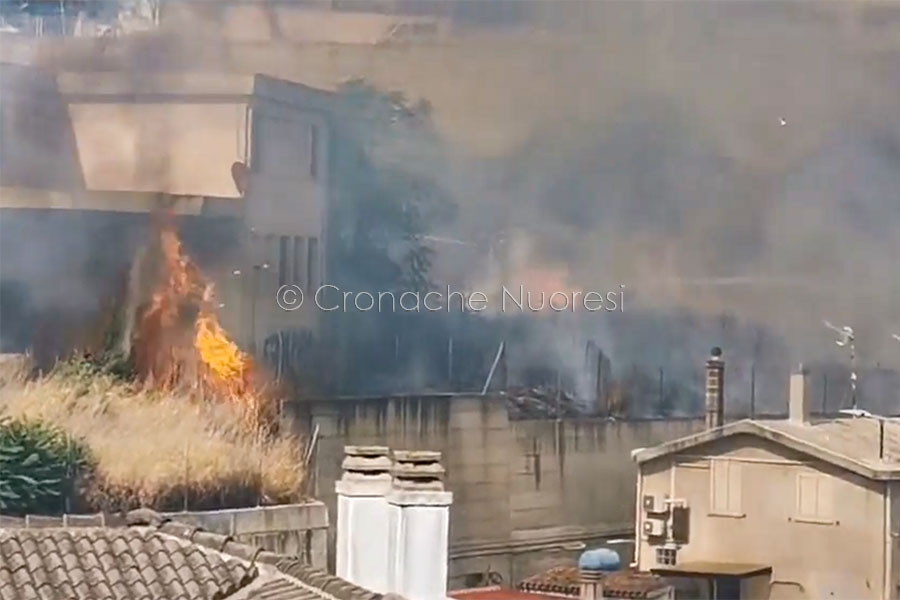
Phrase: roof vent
(799, 402)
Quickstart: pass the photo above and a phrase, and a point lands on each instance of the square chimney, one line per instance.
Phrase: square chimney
(363, 533)
(419, 524)
(799, 401)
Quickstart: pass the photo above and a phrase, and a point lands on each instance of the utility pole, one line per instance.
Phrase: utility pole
(847, 340)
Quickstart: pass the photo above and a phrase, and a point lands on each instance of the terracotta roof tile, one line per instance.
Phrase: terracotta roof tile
(565, 582)
(281, 589)
(337, 587)
(113, 563)
(558, 580)
(632, 584)
(151, 558)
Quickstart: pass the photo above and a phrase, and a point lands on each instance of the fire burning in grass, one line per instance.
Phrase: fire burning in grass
(179, 342)
(195, 428)
(156, 449)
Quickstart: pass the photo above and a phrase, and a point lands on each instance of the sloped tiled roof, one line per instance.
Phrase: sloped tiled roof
(861, 445)
(144, 556)
(113, 563)
(565, 582)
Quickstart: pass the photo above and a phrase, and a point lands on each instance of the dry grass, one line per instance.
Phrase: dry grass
(155, 449)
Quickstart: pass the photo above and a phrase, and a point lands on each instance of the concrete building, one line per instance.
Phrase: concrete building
(792, 508)
(241, 160)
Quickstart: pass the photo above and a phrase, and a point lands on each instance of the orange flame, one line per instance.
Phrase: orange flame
(180, 342)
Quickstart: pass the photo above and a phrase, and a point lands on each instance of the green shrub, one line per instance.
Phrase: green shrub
(85, 367)
(39, 467)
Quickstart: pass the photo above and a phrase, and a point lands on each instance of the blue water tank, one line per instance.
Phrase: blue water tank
(599, 559)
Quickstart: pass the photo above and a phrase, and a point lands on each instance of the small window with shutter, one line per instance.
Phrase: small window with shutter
(725, 488)
(814, 499)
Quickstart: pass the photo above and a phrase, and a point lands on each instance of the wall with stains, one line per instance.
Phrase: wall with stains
(527, 494)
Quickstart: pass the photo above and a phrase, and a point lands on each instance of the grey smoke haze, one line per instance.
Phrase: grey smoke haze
(642, 143)
(661, 161)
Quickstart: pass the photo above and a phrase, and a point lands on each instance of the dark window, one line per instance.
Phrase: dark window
(299, 259)
(283, 260)
(255, 143)
(314, 151)
(312, 263)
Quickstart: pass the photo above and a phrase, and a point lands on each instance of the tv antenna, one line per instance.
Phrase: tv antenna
(847, 340)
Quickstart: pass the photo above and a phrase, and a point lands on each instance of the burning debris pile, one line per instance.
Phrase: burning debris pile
(541, 403)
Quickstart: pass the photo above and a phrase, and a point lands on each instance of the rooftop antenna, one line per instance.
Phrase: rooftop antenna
(847, 340)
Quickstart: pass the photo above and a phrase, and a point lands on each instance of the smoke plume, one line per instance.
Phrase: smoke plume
(734, 165)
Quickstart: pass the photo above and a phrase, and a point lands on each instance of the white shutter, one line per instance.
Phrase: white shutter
(725, 487)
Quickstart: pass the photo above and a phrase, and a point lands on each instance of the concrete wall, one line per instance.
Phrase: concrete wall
(527, 495)
(823, 538)
(295, 529)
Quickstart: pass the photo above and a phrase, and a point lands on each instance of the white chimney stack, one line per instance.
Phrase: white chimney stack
(362, 517)
(420, 523)
(591, 585)
(799, 402)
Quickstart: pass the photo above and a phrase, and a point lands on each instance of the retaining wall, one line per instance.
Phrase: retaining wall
(527, 494)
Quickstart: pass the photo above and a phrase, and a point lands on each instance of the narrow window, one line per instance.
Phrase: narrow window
(256, 153)
(813, 498)
(312, 264)
(299, 276)
(283, 260)
(314, 151)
